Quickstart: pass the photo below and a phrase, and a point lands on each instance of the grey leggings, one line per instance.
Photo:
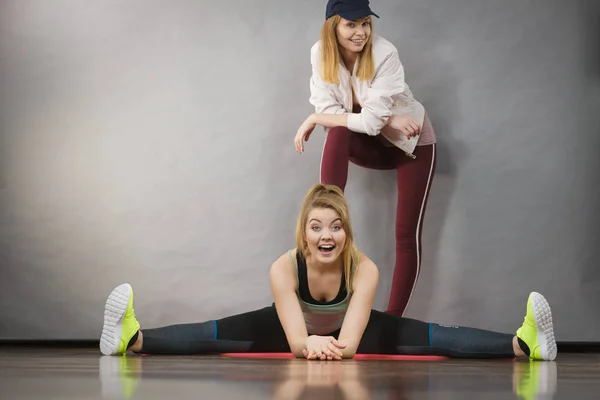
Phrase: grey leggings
(260, 331)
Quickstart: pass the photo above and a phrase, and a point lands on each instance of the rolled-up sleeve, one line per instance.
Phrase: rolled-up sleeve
(322, 96)
(376, 109)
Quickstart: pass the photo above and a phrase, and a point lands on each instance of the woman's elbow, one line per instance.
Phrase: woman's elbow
(374, 130)
(297, 352)
(366, 128)
(348, 354)
(297, 345)
(374, 126)
(351, 346)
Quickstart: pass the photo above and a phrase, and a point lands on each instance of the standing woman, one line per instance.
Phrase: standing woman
(358, 91)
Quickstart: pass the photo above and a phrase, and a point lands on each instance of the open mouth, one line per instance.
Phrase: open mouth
(358, 41)
(326, 249)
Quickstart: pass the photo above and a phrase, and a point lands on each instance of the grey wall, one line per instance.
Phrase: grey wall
(151, 143)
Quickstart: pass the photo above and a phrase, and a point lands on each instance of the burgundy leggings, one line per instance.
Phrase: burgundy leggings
(414, 181)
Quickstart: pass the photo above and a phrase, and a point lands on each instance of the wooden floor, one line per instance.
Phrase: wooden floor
(30, 373)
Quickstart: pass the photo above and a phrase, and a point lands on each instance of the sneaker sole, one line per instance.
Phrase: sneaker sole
(114, 311)
(545, 329)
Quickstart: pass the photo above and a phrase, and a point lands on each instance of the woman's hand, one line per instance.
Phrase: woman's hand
(323, 348)
(405, 124)
(304, 132)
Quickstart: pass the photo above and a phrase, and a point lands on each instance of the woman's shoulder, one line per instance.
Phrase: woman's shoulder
(382, 44)
(315, 52)
(366, 274)
(285, 260)
(290, 253)
(383, 48)
(315, 47)
(283, 270)
(364, 262)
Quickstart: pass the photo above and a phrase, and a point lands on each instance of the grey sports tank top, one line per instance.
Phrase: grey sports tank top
(321, 318)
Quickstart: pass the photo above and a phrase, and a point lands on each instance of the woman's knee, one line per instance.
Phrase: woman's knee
(338, 133)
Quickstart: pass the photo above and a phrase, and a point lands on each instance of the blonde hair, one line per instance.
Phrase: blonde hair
(331, 57)
(332, 197)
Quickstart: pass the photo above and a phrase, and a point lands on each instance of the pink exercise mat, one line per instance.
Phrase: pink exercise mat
(396, 357)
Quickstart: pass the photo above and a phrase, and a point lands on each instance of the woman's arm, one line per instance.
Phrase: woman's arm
(329, 120)
(376, 109)
(364, 286)
(376, 112)
(283, 287)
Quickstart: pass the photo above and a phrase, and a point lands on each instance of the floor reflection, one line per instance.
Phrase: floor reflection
(337, 379)
(123, 377)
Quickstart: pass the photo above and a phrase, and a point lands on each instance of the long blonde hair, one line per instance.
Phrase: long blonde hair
(332, 197)
(331, 57)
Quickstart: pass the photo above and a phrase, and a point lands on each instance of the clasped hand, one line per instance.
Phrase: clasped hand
(405, 124)
(323, 348)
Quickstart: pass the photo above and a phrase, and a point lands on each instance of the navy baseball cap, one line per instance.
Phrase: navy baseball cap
(349, 9)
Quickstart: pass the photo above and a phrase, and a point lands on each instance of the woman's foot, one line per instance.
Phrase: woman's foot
(120, 325)
(537, 331)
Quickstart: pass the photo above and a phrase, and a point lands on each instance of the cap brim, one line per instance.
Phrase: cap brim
(356, 14)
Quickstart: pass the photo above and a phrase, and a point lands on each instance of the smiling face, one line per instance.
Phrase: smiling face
(324, 234)
(352, 36)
